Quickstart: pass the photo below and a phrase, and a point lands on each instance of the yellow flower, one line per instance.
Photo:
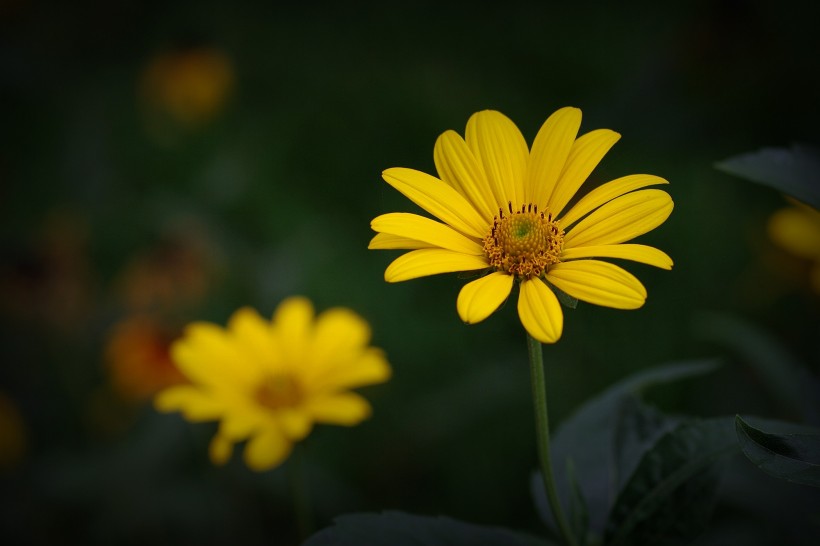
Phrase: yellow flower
(797, 230)
(504, 211)
(270, 382)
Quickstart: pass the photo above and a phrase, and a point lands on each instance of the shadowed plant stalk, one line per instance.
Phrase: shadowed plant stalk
(542, 432)
(301, 493)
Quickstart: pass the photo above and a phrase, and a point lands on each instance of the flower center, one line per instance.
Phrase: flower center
(524, 243)
(278, 391)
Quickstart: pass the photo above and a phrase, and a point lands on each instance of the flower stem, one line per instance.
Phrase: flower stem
(301, 493)
(542, 433)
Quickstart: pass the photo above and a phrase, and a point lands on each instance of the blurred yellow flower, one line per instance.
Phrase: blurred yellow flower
(797, 230)
(190, 85)
(503, 208)
(269, 382)
(12, 434)
(138, 358)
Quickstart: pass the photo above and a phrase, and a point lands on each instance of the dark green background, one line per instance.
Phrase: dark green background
(284, 183)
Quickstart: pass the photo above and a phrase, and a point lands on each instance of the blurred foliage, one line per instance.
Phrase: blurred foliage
(184, 159)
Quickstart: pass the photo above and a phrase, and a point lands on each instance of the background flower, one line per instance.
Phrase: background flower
(796, 229)
(269, 383)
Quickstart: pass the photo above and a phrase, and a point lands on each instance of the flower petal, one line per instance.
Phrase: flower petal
(549, 153)
(424, 262)
(797, 229)
(266, 450)
(621, 219)
(584, 156)
(340, 335)
(339, 409)
(253, 335)
(600, 283)
(220, 450)
(607, 192)
(439, 199)
(366, 369)
(480, 298)
(293, 327)
(294, 423)
(207, 355)
(540, 311)
(386, 241)
(426, 230)
(501, 149)
(239, 425)
(195, 404)
(457, 166)
(637, 253)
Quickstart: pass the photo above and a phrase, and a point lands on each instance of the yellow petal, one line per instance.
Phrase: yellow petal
(293, 327)
(621, 219)
(501, 149)
(457, 166)
(797, 230)
(385, 241)
(208, 356)
(196, 405)
(439, 199)
(339, 333)
(584, 156)
(339, 409)
(238, 425)
(220, 450)
(600, 283)
(253, 335)
(294, 423)
(266, 450)
(480, 298)
(424, 262)
(417, 227)
(540, 311)
(549, 153)
(607, 192)
(367, 368)
(637, 253)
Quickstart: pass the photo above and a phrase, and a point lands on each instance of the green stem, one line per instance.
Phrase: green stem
(542, 433)
(301, 493)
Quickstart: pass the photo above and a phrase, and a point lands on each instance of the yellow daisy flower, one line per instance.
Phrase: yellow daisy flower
(797, 230)
(269, 382)
(505, 210)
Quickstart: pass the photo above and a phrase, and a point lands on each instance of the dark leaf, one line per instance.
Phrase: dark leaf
(795, 171)
(793, 457)
(588, 437)
(670, 496)
(400, 529)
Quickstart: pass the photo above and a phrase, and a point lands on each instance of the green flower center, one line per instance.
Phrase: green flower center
(278, 391)
(524, 243)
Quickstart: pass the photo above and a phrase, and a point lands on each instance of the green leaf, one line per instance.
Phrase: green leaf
(792, 457)
(588, 437)
(401, 529)
(795, 171)
(637, 428)
(788, 381)
(670, 496)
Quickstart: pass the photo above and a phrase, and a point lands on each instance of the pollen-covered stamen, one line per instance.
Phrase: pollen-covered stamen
(524, 243)
(278, 391)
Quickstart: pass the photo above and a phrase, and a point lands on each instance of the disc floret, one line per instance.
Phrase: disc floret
(524, 242)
